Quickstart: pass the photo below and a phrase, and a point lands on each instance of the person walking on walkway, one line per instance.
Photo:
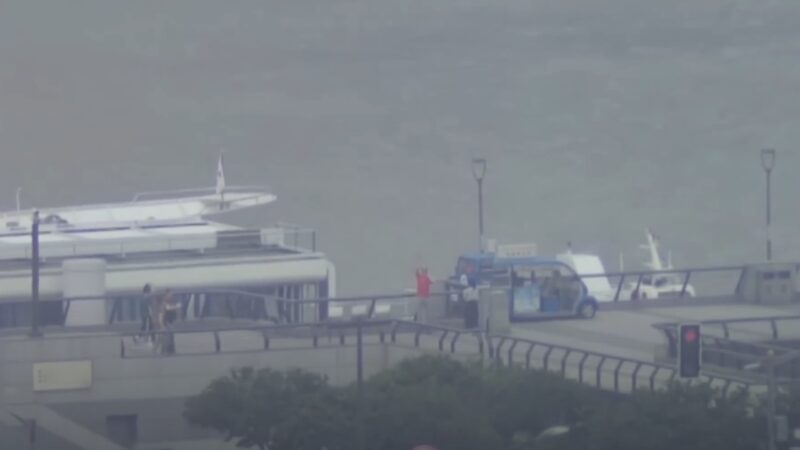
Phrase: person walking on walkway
(423, 294)
(423, 283)
(169, 307)
(146, 313)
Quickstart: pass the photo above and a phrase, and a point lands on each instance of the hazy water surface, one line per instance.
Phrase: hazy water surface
(598, 118)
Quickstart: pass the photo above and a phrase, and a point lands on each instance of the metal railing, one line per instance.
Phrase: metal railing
(758, 326)
(639, 286)
(240, 304)
(709, 281)
(728, 354)
(772, 322)
(610, 372)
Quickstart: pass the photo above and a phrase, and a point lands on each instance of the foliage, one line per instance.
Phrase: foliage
(685, 417)
(450, 405)
(428, 401)
(273, 410)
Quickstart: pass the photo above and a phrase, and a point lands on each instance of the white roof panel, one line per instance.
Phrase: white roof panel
(186, 237)
(136, 212)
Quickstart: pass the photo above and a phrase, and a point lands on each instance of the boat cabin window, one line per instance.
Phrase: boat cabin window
(553, 280)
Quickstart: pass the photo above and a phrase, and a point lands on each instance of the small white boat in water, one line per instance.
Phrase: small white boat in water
(657, 285)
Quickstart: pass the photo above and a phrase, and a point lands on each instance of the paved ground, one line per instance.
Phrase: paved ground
(631, 333)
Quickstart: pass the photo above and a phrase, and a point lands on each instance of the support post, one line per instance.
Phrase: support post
(360, 427)
(35, 329)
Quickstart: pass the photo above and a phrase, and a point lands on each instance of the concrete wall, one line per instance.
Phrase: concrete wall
(154, 386)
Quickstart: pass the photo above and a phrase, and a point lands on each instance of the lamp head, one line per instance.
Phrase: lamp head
(768, 158)
(478, 168)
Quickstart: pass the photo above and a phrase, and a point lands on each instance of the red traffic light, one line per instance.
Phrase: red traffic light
(690, 335)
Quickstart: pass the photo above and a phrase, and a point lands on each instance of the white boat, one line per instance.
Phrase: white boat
(147, 209)
(165, 239)
(657, 285)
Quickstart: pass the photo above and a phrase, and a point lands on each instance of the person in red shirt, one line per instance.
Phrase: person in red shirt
(423, 283)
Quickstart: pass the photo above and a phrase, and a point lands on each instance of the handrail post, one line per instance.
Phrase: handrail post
(685, 283)
(499, 348)
(653, 379)
(616, 374)
(635, 375)
(547, 357)
(528, 355)
(564, 363)
(217, 342)
(619, 287)
(638, 287)
(441, 340)
(599, 370)
(580, 367)
(511, 353)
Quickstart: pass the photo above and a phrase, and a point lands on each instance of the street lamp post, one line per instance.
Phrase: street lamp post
(478, 172)
(35, 330)
(360, 427)
(768, 162)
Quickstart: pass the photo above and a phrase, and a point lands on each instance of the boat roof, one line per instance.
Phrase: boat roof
(139, 212)
(197, 236)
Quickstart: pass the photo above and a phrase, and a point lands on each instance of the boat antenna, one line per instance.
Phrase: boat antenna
(19, 191)
(221, 179)
(621, 262)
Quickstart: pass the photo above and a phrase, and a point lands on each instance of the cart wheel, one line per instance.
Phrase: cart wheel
(587, 310)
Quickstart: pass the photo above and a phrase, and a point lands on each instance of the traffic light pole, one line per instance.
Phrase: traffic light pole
(690, 350)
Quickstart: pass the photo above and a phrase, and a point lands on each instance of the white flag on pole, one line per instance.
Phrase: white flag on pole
(220, 176)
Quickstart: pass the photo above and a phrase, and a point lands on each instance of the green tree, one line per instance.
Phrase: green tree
(685, 417)
(438, 401)
(428, 400)
(273, 410)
